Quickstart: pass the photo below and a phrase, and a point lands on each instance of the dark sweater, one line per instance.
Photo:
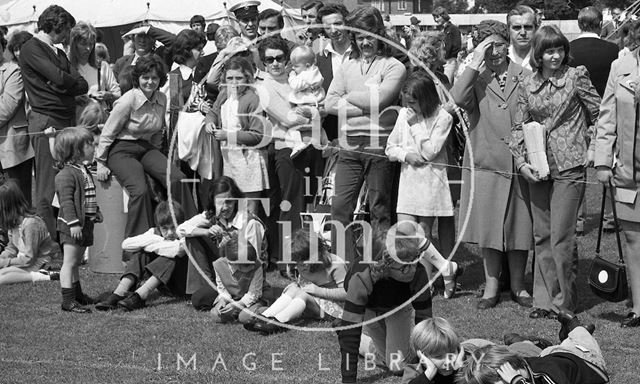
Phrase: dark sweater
(50, 81)
(596, 55)
(561, 368)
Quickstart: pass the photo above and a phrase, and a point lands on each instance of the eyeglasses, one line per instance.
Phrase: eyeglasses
(271, 59)
(528, 27)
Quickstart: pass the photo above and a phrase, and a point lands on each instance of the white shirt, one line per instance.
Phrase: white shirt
(337, 59)
(588, 34)
(209, 48)
(525, 63)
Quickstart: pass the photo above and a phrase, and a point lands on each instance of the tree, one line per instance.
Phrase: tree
(452, 6)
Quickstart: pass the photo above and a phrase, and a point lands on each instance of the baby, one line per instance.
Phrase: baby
(306, 82)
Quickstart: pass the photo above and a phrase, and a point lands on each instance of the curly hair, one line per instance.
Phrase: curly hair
(273, 43)
(186, 40)
(427, 47)
(17, 40)
(146, 64)
(386, 249)
(82, 33)
(368, 19)
(55, 19)
(69, 145)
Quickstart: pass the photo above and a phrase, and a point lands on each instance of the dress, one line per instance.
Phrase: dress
(247, 166)
(423, 191)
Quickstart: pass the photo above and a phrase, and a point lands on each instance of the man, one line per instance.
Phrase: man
(143, 44)
(272, 21)
(210, 47)
(246, 12)
(51, 83)
(197, 23)
(452, 40)
(521, 21)
(596, 55)
(333, 54)
(611, 30)
(309, 12)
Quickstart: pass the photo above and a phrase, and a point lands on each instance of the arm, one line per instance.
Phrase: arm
(252, 122)
(516, 145)
(255, 289)
(110, 81)
(279, 108)
(591, 102)
(9, 252)
(139, 242)
(12, 95)
(335, 100)
(395, 150)
(166, 248)
(431, 146)
(117, 120)
(34, 233)
(463, 89)
(388, 89)
(165, 37)
(360, 286)
(71, 83)
(222, 290)
(606, 132)
(197, 226)
(66, 188)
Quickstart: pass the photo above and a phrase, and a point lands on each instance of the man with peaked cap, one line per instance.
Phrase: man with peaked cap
(246, 12)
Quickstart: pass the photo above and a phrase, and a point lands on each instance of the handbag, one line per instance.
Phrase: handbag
(608, 280)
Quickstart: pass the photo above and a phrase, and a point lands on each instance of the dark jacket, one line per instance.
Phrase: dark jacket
(70, 191)
(596, 55)
(561, 368)
(452, 40)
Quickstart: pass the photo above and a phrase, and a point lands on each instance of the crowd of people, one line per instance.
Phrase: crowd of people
(225, 136)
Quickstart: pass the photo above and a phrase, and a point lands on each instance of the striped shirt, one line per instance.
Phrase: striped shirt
(90, 201)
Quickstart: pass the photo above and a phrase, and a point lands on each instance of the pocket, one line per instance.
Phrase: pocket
(21, 139)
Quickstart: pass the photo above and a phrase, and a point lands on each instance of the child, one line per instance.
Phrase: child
(577, 360)
(391, 279)
(307, 95)
(78, 212)
(156, 253)
(205, 235)
(417, 141)
(238, 124)
(435, 353)
(320, 291)
(29, 246)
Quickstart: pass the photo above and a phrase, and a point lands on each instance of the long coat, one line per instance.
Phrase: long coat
(616, 132)
(15, 147)
(498, 207)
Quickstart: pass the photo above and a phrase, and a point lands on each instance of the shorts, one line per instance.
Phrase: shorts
(87, 234)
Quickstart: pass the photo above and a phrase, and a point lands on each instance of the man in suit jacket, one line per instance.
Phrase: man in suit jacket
(596, 55)
(591, 51)
(335, 52)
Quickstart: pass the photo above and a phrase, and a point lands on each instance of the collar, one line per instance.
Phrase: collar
(45, 38)
(329, 49)
(588, 34)
(185, 71)
(558, 79)
(139, 99)
(512, 55)
(239, 220)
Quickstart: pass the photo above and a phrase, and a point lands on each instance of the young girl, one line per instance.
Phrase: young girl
(226, 216)
(417, 141)
(320, 290)
(29, 247)
(78, 212)
(236, 123)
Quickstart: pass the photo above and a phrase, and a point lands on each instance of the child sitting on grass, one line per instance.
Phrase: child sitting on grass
(29, 246)
(155, 253)
(319, 292)
(577, 360)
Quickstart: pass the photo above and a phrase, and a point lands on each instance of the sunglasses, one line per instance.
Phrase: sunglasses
(403, 269)
(271, 59)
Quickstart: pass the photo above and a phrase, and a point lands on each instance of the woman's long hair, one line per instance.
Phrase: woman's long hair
(82, 32)
(13, 205)
(221, 185)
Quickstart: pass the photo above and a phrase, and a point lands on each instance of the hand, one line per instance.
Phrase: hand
(322, 112)
(415, 160)
(216, 231)
(479, 52)
(99, 95)
(591, 154)
(311, 289)
(76, 232)
(412, 116)
(507, 372)
(604, 175)
(232, 308)
(102, 172)
(220, 135)
(529, 173)
(205, 108)
(430, 368)
(306, 112)
(210, 128)
(99, 218)
(50, 132)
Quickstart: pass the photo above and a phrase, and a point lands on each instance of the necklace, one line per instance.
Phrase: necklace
(362, 70)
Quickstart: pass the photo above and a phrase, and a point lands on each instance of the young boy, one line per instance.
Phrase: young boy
(156, 253)
(577, 360)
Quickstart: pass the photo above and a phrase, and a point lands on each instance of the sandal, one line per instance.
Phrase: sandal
(451, 280)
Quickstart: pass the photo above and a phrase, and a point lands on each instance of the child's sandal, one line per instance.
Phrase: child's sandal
(451, 280)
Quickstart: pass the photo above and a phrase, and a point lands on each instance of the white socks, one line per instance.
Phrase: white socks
(281, 303)
(37, 276)
(292, 311)
(148, 287)
(125, 285)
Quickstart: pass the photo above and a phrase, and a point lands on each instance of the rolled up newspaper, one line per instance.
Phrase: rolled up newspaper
(534, 140)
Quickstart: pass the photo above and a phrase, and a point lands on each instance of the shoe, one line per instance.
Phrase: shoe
(488, 303)
(524, 301)
(632, 320)
(539, 313)
(109, 303)
(609, 225)
(451, 281)
(269, 327)
(251, 324)
(539, 342)
(53, 275)
(75, 307)
(131, 303)
(568, 322)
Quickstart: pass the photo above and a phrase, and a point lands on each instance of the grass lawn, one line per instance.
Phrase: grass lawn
(169, 342)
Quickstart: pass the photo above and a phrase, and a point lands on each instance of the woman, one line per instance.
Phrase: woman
(615, 137)
(16, 153)
(15, 43)
(292, 173)
(186, 50)
(488, 93)
(129, 146)
(103, 85)
(563, 100)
